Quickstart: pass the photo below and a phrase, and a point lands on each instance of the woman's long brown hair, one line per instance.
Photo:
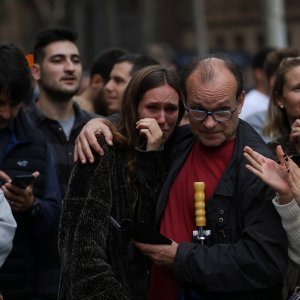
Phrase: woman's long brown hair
(126, 136)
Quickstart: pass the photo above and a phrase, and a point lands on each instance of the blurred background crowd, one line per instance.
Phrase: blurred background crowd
(171, 30)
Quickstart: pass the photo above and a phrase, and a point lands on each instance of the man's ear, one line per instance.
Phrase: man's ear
(96, 80)
(241, 101)
(36, 72)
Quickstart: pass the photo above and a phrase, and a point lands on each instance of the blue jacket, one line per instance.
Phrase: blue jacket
(26, 151)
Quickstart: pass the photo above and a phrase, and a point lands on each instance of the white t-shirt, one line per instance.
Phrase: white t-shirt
(255, 101)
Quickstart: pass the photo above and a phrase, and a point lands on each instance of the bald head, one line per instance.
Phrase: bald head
(208, 68)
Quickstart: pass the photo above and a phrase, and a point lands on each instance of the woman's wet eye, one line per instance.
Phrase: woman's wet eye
(152, 108)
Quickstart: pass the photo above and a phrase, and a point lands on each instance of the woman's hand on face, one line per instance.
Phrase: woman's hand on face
(151, 130)
(295, 134)
(268, 170)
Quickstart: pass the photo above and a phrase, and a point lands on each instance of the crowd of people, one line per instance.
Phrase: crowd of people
(96, 184)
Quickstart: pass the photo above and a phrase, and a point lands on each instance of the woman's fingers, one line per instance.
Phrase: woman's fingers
(255, 159)
(151, 130)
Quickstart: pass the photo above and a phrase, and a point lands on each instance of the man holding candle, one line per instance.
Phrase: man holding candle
(248, 252)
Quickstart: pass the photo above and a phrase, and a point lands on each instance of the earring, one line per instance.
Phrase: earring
(281, 106)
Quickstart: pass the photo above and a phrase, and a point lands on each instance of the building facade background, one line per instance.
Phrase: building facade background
(234, 26)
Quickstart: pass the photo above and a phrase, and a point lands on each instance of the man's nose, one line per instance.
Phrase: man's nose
(69, 65)
(109, 85)
(209, 122)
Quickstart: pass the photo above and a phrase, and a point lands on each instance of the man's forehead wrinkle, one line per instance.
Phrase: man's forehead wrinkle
(223, 93)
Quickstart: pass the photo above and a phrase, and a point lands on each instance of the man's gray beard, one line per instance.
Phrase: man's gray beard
(60, 96)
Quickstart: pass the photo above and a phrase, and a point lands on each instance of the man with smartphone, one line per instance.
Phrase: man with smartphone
(27, 173)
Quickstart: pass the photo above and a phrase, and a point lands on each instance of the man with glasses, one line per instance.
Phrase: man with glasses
(244, 254)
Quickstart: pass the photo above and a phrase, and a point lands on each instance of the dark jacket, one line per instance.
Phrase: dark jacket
(247, 257)
(56, 138)
(48, 272)
(26, 152)
(98, 260)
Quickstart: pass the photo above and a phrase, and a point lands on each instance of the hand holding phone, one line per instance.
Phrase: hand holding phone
(141, 232)
(23, 181)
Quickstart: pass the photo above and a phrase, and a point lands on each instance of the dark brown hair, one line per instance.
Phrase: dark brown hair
(126, 137)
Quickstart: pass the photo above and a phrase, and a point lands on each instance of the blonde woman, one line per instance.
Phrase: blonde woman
(283, 121)
(285, 179)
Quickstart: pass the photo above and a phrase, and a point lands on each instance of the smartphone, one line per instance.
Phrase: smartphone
(23, 181)
(140, 232)
(143, 233)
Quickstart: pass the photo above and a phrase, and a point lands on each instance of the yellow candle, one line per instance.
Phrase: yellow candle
(199, 197)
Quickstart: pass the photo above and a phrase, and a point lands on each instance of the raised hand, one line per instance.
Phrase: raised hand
(293, 176)
(151, 130)
(268, 170)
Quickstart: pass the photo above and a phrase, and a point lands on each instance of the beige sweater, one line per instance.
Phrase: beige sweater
(290, 216)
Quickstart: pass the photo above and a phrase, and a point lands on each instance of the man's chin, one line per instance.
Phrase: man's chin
(211, 142)
(61, 95)
(112, 109)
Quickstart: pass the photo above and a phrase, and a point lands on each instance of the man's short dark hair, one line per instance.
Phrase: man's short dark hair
(138, 61)
(259, 58)
(50, 35)
(15, 76)
(105, 62)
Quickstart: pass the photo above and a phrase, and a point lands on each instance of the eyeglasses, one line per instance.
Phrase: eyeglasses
(218, 115)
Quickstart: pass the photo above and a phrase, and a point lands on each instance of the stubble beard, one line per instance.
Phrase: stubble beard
(57, 95)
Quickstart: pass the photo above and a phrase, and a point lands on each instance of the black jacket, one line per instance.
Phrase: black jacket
(98, 260)
(247, 256)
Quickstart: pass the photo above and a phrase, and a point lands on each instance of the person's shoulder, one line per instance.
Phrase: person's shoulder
(108, 149)
(33, 111)
(251, 138)
(254, 102)
(258, 117)
(25, 127)
(182, 132)
(81, 113)
(101, 140)
(256, 95)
